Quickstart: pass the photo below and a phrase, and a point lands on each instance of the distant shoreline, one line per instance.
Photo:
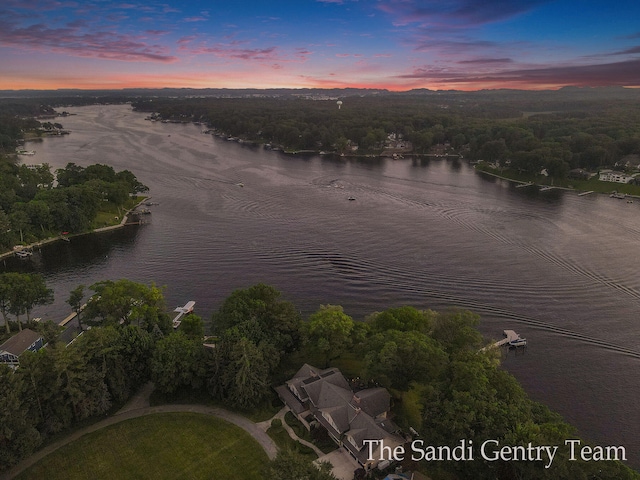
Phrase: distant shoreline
(58, 238)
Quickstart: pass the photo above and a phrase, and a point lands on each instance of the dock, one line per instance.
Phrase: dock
(512, 339)
(182, 311)
(585, 193)
(71, 316)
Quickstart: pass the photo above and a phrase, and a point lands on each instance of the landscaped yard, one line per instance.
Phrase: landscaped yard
(160, 446)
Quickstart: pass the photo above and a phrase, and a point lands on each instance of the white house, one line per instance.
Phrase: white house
(613, 176)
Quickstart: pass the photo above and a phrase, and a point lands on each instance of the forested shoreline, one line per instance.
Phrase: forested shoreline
(443, 383)
(556, 131)
(35, 204)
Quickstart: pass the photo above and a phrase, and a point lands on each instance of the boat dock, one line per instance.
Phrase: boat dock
(71, 316)
(512, 339)
(188, 308)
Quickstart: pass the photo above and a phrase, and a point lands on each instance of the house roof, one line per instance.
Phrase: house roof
(290, 399)
(324, 394)
(20, 342)
(374, 401)
(307, 371)
(341, 411)
(309, 374)
(340, 416)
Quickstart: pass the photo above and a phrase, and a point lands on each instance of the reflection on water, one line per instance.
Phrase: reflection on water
(80, 252)
(558, 268)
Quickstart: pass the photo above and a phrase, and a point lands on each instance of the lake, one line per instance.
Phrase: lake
(560, 269)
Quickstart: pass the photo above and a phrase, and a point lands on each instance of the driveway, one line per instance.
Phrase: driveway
(343, 464)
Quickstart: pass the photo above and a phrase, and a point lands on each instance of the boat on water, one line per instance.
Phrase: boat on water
(518, 342)
(26, 152)
(352, 198)
(617, 195)
(26, 253)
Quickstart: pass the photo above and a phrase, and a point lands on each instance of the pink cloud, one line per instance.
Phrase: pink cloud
(72, 41)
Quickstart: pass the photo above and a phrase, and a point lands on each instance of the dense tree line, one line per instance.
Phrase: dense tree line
(443, 383)
(559, 131)
(32, 208)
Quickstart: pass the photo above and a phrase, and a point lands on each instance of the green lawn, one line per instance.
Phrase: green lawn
(160, 446)
(109, 214)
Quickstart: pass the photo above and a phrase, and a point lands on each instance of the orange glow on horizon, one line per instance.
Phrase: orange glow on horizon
(229, 81)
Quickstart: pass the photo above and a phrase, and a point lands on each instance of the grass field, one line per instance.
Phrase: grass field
(162, 446)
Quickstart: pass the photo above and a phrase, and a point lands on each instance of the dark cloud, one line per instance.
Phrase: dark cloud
(628, 51)
(457, 13)
(233, 51)
(618, 73)
(485, 61)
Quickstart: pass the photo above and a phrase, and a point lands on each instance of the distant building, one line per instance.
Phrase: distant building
(613, 176)
(349, 418)
(11, 350)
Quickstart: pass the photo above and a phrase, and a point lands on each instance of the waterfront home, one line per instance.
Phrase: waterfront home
(11, 350)
(613, 176)
(324, 397)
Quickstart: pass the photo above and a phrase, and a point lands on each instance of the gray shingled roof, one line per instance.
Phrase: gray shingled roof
(374, 401)
(20, 341)
(324, 393)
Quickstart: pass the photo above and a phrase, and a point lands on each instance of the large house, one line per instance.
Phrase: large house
(349, 417)
(11, 350)
(613, 176)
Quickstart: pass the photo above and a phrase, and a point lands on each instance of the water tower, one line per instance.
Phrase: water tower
(339, 103)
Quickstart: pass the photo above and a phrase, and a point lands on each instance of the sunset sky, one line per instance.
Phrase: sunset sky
(394, 44)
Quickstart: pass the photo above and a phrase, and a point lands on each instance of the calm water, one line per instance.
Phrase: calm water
(560, 269)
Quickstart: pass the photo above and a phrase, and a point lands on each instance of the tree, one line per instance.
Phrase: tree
(75, 301)
(289, 465)
(6, 293)
(5, 229)
(261, 315)
(26, 290)
(124, 302)
(121, 354)
(402, 319)
(18, 435)
(329, 330)
(246, 374)
(456, 330)
(177, 361)
(193, 327)
(128, 178)
(396, 359)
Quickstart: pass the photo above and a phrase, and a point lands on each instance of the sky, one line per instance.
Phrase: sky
(393, 44)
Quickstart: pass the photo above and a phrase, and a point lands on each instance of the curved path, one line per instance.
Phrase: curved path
(138, 406)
